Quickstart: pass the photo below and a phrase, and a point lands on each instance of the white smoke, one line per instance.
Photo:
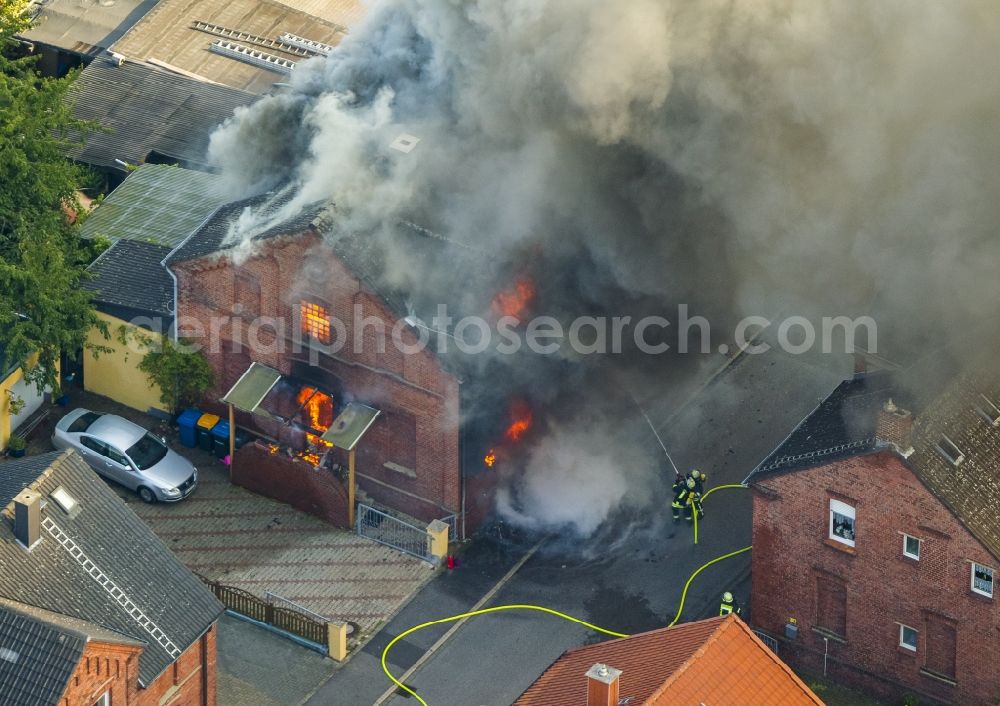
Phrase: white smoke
(742, 157)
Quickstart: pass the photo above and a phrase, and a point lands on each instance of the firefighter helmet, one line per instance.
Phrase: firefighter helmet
(696, 474)
(690, 483)
(727, 597)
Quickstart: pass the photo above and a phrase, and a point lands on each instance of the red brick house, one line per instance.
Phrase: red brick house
(714, 661)
(876, 542)
(329, 331)
(94, 609)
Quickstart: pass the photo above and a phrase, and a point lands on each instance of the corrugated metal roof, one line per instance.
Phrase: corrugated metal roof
(166, 35)
(157, 204)
(84, 27)
(252, 387)
(148, 110)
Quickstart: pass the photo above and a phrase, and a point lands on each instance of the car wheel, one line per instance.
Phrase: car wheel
(147, 495)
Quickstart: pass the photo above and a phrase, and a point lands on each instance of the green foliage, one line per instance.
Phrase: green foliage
(17, 443)
(43, 308)
(182, 373)
(15, 404)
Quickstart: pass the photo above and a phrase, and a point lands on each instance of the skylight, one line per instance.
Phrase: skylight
(947, 448)
(64, 500)
(8, 655)
(990, 411)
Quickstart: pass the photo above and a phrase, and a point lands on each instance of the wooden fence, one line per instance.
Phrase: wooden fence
(265, 611)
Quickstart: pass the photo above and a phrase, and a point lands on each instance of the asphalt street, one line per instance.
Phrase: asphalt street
(630, 576)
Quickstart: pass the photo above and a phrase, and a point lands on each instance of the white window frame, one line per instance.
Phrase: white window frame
(104, 699)
(844, 510)
(915, 539)
(990, 412)
(916, 637)
(972, 579)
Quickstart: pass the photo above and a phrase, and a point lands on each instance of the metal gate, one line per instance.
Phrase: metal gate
(391, 531)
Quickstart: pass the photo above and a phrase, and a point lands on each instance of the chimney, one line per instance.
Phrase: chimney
(602, 685)
(860, 364)
(895, 426)
(27, 517)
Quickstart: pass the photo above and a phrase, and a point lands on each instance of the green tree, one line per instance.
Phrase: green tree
(43, 309)
(181, 372)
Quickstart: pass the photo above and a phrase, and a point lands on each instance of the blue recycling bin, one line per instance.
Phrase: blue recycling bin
(188, 423)
(220, 439)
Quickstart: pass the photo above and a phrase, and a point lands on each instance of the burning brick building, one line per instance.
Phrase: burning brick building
(876, 541)
(307, 305)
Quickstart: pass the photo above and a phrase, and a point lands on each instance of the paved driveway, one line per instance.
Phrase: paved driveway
(226, 533)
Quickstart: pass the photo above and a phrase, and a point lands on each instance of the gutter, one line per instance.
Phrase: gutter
(170, 272)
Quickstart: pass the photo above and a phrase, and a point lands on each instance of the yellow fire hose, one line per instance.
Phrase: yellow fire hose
(550, 611)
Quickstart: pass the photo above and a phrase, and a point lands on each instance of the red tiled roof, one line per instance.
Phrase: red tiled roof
(714, 661)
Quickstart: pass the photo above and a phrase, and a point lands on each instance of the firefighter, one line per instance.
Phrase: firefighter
(680, 495)
(729, 605)
(699, 480)
(691, 500)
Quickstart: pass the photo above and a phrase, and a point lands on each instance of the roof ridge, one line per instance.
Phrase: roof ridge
(692, 626)
(769, 653)
(712, 637)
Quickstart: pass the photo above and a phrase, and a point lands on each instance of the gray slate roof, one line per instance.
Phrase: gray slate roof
(157, 203)
(40, 650)
(214, 235)
(842, 425)
(129, 276)
(149, 110)
(16, 475)
(122, 547)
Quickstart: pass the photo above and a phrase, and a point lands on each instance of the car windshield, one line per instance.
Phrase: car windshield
(83, 422)
(147, 452)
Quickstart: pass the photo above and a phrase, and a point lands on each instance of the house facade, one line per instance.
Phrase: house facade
(875, 546)
(296, 305)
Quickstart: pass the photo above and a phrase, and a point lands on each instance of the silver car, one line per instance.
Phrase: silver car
(128, 454)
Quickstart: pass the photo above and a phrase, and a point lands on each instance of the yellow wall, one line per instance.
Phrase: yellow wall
(116, 374)
(5, 385)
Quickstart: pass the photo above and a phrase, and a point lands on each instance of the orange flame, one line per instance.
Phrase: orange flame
(514, 300)
(319, 407)
(521, 413)
(490, 458)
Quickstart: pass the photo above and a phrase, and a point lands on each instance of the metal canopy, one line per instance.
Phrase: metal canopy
(252, 387)
(350, 425)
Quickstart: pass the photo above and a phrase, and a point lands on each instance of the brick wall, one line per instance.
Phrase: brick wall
(185, 682)
(104, 668)
(793, 556)
(418, 472)
(317, 492)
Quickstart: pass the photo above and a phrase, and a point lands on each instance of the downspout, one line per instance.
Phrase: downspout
(204, 669)
(165, 260)
(461, 454)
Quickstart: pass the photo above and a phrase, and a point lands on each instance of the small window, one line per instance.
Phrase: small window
(118, 457)
(947, 448)
(990, 412)
(315, 322)
(89, 442)
(982, 580)
(911, 547)
(907, 637)
(83, 422)
(842, 522)
(104, 700)
(63, 499)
